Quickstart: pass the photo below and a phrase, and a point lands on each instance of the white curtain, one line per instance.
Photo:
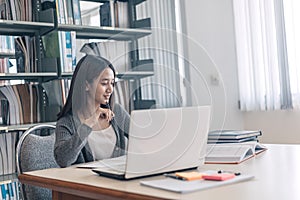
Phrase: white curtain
(267, 68)
(162, 47)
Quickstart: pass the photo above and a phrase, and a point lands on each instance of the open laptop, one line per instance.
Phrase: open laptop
(160, 141)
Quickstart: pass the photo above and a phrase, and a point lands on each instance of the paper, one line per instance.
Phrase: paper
(190, 186)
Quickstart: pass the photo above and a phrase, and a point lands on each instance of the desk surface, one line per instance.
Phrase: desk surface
(276, 171)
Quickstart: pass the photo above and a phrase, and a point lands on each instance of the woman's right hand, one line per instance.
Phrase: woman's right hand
(100, 113)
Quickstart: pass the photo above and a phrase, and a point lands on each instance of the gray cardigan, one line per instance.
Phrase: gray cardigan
(71, 146)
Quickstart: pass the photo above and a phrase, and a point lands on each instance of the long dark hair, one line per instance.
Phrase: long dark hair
(87, 69)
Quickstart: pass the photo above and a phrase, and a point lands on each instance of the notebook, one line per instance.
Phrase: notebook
(160, 141)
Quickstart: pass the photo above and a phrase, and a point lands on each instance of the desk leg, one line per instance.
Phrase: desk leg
(64, 196)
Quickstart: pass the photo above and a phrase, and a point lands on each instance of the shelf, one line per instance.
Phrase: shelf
(8, 178)
(131, 75)
(20, 127)
(94, 32)
(101, 1)
(7, 54)
(27, 76)
(20, 28)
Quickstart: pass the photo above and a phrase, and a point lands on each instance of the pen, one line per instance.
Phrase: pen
(175, 177)
(235, 173)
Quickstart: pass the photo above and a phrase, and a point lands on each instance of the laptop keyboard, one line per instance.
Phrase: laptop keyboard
(114, 164)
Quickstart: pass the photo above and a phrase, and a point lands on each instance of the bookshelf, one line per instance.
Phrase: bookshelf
(48, 22)
(45, 22)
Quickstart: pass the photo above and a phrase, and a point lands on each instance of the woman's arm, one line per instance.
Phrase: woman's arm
(69, 141)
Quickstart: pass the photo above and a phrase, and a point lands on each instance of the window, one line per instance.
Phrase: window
(268, 47)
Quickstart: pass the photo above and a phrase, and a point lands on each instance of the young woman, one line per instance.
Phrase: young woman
(90, 126)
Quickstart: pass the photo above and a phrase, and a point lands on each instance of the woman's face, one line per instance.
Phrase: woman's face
(102, 87)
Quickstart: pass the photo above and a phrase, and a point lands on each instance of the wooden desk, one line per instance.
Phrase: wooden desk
(277, 177)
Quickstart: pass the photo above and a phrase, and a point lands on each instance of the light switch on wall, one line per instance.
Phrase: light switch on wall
(214, 79)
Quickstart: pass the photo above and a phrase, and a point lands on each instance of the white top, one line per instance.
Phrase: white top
(102, 143)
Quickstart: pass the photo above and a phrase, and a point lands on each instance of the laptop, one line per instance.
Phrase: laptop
(160, 141)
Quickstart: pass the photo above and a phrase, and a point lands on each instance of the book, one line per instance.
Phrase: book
(233, 134)
(105, 14)
(225, 140)
(233, 153)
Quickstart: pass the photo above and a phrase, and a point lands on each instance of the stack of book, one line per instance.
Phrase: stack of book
(232, 146)
(232, 136)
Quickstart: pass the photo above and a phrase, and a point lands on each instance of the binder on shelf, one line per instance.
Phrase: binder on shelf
(59, 45)
(50, 65)
(144, 103)
(142, 23)
(136, 2)
(51, 52)
(144, 65)
(47, 4)
(20, 55)
(4, 109)
(53, 93)
(47, 15)
(105, 14)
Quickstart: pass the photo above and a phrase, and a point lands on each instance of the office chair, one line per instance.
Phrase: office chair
(35, 152)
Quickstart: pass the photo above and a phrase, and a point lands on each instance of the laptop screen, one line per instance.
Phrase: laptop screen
(169, 139)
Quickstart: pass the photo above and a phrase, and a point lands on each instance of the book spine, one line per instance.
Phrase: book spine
(76, 12)
(60, 12)
(69, 8)
(73, 42)
(68, 52)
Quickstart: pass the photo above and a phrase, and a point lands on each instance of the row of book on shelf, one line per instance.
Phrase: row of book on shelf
(9, 185)
(20, 10)
(233, 146)
(111, 13)
(10, 190)
(60, 47)
(114, 14)
(41, 102)
(32, 102)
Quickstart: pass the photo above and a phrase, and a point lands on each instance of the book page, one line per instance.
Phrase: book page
(217, 153)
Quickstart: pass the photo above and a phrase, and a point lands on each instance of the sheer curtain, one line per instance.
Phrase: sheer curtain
(162, 45)
(266, 53)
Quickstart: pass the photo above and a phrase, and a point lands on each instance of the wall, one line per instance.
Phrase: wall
(210, 23)
(277, 126)
(211, 53)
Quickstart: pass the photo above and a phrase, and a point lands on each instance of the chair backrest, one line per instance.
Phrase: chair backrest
(35, 151)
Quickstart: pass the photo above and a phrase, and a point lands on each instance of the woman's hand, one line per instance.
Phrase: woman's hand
(100, 114)
(106, 114)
